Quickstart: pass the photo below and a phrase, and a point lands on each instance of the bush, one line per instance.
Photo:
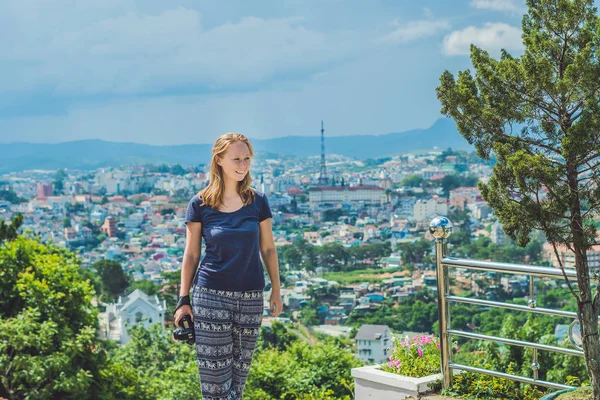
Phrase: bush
(416, 358)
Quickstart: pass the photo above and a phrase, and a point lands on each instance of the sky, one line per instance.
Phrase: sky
(178, 72)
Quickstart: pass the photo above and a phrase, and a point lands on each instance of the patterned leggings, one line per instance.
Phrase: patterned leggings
(227, 325)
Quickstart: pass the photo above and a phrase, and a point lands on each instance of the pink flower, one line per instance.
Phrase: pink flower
(420, 352)
(438, 345)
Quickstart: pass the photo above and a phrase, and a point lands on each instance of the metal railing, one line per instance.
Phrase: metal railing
(441, 228)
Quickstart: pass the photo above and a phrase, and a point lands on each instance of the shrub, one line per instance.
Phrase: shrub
(416, 358)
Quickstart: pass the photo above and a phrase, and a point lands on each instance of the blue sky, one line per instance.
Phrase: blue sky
(177, 72)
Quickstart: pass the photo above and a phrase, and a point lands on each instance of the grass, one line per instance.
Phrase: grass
(361, 275)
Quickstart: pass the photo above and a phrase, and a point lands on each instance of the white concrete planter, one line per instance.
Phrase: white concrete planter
(372, 383)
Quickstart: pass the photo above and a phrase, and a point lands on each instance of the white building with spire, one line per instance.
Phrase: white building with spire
(138, 307)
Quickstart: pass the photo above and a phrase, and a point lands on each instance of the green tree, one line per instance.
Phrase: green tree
(47, 323)
(332, 214)
(114, 280)
(412, 181)
(319, 371)
(276, 336)
(11, 197)
(450, 182)
(155, 366)
(148, 287)
(59, 184)
(540, 115)
(413, 253)
(9, 231)
(332, 256)
(309, 317)
(177, 169)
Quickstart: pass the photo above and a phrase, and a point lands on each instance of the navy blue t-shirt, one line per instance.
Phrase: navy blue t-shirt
(232, 256)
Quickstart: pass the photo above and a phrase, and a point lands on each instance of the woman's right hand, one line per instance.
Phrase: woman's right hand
(181, 311)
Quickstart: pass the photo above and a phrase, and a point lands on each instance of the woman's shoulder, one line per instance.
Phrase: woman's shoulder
(258, 194)
(259, 197)
(197, 200)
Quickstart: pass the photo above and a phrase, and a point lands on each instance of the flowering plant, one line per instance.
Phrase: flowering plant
(416, 358)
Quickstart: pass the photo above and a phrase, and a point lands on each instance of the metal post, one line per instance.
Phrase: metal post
(535, 366)
(444, 315)
(441, 228)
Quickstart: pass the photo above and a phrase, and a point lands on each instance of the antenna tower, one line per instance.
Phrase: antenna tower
(323, 180)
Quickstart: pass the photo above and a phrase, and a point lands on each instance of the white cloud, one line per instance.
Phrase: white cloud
(413, 30)
(509, 6)
(492, 37)
(113, 48)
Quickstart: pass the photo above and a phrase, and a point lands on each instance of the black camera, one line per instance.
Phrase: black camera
(185, 332)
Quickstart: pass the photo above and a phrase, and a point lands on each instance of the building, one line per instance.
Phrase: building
(44, 190)
(138, 307)
(567, 257)
(464, 195)
(347, 195)
(425, 210)
(430, 172)
(373, 342)
(109, 227)
(498, 236)
(312, 238)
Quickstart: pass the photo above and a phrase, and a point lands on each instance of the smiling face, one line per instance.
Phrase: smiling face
(235, 162)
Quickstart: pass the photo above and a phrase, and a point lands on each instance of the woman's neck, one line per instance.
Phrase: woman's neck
(230, 189)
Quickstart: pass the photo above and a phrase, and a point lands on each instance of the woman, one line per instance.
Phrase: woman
(227, 290)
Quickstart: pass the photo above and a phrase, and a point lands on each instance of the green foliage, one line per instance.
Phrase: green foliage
(9, 231)
(167, 369)
(11, 197)
(58, 184)
(472, 386)
(47, 324)
(276, 336)
(309, 317)
(114, 280)
(332, 215)
(332, 256)
(370, 162)
(416, 358)
(412, 181)
(303, 371)
(416, 252)
(175, 169)
(454, 181)
(148, 287)
(43, 360)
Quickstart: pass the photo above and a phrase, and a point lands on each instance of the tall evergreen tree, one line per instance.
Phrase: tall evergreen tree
(539, 115)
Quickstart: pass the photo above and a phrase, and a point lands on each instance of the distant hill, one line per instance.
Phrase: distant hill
(91, 154)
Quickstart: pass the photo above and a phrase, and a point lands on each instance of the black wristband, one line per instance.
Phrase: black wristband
(183, 301)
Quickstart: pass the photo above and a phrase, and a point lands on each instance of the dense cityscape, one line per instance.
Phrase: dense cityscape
(368, 216)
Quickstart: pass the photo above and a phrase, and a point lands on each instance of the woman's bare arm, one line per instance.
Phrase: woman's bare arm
(269, 253)
(191, 256)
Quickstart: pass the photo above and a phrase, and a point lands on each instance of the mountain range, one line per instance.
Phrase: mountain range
(92, 154)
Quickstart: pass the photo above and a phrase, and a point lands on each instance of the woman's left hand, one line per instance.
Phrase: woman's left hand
(276, 304)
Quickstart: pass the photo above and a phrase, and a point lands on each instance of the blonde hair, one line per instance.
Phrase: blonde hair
(212, 195)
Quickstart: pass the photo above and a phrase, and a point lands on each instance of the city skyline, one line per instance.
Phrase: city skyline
(183, 72)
